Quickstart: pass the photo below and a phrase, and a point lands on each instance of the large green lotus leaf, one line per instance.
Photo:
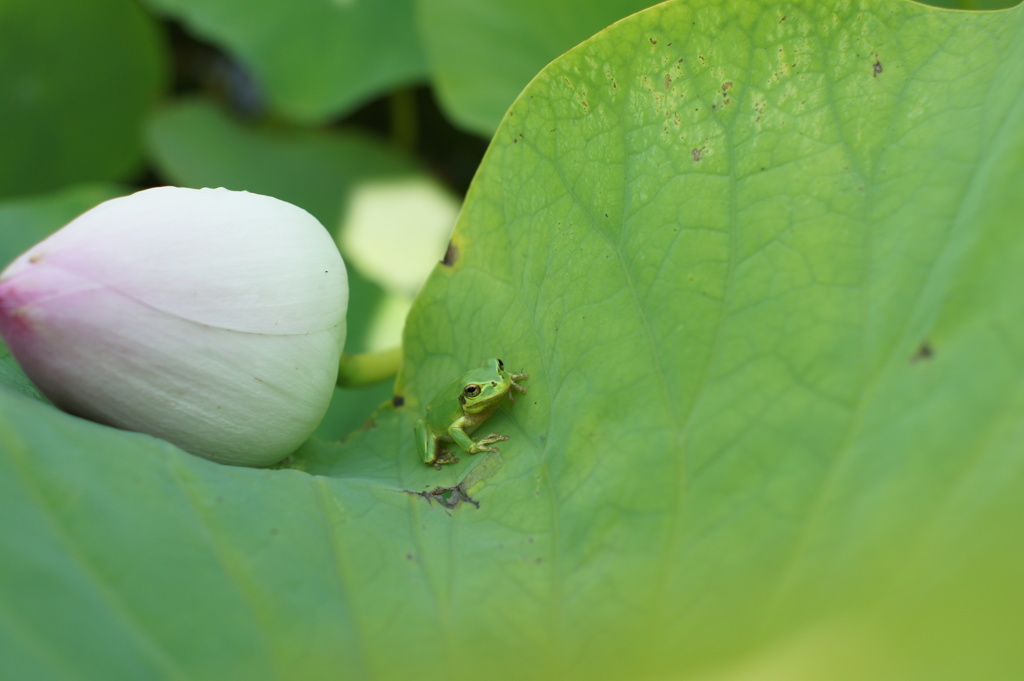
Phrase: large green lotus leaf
(314, 59)
(77, 80)
(762, 262)
(483, 52)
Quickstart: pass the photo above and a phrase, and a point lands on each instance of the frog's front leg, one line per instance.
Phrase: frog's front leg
(463, 440)
(512, 384)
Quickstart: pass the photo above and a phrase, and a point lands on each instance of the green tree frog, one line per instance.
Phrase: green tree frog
(460, 408)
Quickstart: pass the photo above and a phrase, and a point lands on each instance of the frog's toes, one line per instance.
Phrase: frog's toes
(446, 458)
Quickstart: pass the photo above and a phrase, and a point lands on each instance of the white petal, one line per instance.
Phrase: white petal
(105, 356)
(228, 259)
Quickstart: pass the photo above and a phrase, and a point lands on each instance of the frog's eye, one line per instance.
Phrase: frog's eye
(501, 365)
(471, 390)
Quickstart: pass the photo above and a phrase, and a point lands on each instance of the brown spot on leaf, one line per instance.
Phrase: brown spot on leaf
(451, 255)
(397, 401)
(877, 68)
(924, 352)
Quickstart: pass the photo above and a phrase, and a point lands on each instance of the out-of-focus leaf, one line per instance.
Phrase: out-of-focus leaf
(483, 52)
(77, 80)
(314, 58)
(194, 143)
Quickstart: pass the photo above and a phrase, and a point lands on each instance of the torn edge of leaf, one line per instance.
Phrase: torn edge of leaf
(463, 493)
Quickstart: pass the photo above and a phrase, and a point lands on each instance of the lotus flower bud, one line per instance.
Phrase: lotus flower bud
(213, 319)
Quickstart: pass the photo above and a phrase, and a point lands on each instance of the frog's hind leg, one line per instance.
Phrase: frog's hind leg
(425, 443)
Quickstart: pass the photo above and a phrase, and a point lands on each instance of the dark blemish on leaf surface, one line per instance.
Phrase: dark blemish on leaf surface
(653, 41)
(925, 352)
(448, 497)
(877, 68)
(451, 255)
(696, 154)
(397, 401)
